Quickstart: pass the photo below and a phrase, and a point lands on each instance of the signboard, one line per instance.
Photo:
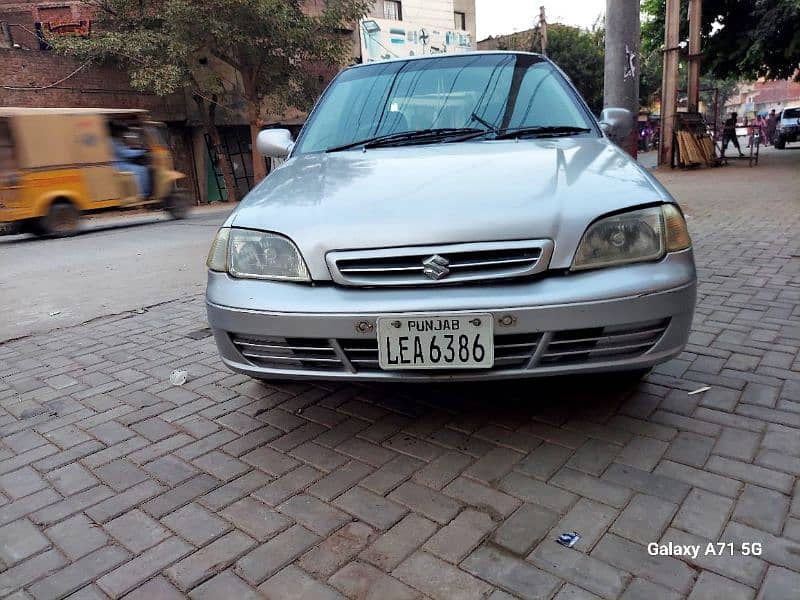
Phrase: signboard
(382, 39)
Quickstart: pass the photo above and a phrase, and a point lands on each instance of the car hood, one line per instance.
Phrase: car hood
(446, 193)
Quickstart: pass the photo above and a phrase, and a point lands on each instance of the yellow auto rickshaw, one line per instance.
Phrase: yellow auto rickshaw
(56, 164)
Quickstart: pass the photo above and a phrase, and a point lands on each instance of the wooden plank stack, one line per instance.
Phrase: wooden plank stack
(695, 150)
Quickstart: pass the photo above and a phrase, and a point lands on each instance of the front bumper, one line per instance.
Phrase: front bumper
(623, 318)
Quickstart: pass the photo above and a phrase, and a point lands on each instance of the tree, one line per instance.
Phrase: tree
(262, 55)
(579, 53)
(741, 38)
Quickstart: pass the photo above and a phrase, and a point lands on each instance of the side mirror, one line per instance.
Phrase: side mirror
(616, 123)
(274, 143)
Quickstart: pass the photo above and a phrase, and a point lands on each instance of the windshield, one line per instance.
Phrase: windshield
(486, 91)
(791, 113)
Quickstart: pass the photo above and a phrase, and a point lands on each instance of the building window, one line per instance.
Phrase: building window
(392, 10)
(461, 20)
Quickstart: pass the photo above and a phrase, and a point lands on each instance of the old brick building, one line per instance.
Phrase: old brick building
(32, 75)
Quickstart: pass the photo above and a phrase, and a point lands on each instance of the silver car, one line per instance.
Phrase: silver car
(457, 217)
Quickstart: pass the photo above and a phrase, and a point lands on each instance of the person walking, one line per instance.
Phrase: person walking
(729, 135)
(761, 129)
(772, 126)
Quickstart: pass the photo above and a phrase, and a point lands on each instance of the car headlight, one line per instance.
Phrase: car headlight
(636, 236)
(250, 254)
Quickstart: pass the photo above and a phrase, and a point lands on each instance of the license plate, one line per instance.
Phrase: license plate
(436, 342)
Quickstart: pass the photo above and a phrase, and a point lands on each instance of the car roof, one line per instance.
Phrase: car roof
(17, 111)
(451, 55)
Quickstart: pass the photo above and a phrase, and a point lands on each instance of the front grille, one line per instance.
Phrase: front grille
(600, 344)
(462, 263)
(288, 353)
(516, 352)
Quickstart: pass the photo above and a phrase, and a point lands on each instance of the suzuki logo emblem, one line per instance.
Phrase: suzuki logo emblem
(436, 267)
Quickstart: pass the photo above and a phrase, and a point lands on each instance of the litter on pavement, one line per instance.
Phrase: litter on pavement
(178, 376)
(568, 539)
(705, 388)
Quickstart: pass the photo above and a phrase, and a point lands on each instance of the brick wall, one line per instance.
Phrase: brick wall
(103, 86)
(96, 86)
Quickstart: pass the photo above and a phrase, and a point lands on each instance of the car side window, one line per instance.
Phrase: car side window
(543, 100)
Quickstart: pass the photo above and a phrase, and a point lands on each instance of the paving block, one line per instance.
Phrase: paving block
(359, 580)
(19, 540)
(516, 576)
(745, 569)
(225, 585)
(375, 510)
(633, 558)
(120, 474)
(439, 579)
(217, 556)
(158, 587)
(762, 508)
(319, 517)
(22, 482)
(591, 487)
(136, 531)
(460, 537)
(71, 479)
(482, 497)
(269, 558)
(292, 582)
(426, 502)
(78, 573)
(525, 528)
(578, 568)
(644, 519)
(711, 586)
(195, 524)
(394, 546)
(336, 550)
(142, 567)
(779, 583)
(77, 536)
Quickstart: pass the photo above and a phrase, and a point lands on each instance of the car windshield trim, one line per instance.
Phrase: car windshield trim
(423, 135)
(540, 131)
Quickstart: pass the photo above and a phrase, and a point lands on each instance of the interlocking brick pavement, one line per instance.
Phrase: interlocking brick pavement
(113, 482)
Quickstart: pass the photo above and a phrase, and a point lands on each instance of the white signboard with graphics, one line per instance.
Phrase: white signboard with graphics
(382, 39)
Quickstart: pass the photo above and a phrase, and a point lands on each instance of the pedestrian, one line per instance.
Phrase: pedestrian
(729, 135)
(772, 126)
(761, 128)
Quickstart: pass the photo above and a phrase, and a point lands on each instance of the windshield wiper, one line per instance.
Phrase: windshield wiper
(420, 136)
(476, 117)
(541, 131)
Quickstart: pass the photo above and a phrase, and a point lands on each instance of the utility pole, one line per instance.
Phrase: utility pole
(543, 29)
(621, 78)
(669, 83)
(695, 27)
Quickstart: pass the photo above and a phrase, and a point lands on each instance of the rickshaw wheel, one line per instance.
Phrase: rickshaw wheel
(178, 205)
(61, 220)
